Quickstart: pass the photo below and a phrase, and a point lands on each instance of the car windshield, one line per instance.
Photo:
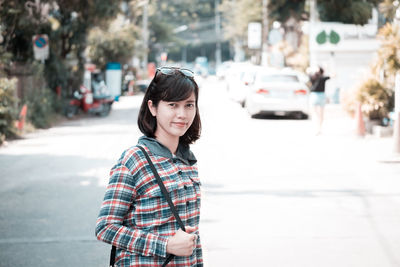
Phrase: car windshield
(278, 78)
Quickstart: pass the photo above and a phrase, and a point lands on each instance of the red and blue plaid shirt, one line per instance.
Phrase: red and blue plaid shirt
(136, 218)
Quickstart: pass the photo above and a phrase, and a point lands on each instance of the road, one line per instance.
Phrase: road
(274, 194)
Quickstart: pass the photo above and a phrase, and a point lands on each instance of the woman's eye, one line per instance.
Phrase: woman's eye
(190, 105)
(172, 105)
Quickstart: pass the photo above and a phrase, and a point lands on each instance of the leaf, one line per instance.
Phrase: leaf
(321, 37)
(334, 37)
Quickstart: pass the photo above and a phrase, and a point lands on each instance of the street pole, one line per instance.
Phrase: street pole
(312, 20)
(264, 49)
(145, 32)
(396, 126)
(218, 35)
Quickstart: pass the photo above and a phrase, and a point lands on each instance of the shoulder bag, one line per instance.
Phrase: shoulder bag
(170, 203)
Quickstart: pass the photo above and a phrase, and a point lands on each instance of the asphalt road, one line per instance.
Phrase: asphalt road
(274, 194)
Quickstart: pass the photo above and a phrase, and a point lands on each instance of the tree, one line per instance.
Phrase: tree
(76, 18)
(281, 10)
(66, 22)
(353, 12)
(116, 44)
(238, 13)
(388, 9)
(167, 19)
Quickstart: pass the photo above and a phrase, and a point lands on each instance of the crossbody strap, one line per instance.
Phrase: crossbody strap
(163, 189)
(167, 197)
(170, 203)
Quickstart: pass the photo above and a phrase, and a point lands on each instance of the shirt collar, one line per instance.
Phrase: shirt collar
(183, 152)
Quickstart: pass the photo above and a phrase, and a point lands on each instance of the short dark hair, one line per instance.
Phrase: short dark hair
(172, 87)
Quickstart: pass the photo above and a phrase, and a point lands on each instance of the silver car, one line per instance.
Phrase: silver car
(278, 92)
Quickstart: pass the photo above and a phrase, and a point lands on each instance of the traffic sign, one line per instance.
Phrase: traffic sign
(254, 35)
(40, 46)
(40, 41)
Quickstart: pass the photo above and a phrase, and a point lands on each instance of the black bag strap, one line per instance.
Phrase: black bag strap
(166, 195)
(170, 203)
(112, 256)
(163, 189)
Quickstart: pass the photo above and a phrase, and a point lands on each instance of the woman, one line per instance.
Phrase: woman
(134, 216)
(318, 98)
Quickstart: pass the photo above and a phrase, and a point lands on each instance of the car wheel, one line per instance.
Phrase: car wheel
(300, 116)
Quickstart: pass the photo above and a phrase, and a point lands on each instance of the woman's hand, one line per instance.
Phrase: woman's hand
(182, 243)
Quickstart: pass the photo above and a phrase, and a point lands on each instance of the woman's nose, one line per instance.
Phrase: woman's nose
(181, 112)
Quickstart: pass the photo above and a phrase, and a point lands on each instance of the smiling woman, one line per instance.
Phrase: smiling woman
(170, 85)
(137, 216)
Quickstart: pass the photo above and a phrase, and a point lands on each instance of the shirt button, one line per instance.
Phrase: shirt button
(180, 172)
(187, 203)
(174, 160)
(185, 187)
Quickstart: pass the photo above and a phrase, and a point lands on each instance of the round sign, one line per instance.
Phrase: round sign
(40, 41)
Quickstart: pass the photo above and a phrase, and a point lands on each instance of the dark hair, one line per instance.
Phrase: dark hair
(172, 87)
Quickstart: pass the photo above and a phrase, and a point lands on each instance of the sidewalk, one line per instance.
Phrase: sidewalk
(340, 124)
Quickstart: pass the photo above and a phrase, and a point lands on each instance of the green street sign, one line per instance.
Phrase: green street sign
(323, 37)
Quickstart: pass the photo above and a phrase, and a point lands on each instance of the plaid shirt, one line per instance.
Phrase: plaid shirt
(135, 216)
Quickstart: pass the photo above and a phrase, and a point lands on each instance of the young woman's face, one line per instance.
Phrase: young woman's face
(174, 118)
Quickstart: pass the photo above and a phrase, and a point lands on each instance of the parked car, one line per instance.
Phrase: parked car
(234, 80)
(278, 92)
(222, 69)
(238, 86)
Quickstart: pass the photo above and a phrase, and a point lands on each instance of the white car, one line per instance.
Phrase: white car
(238, 78)
(278, 92)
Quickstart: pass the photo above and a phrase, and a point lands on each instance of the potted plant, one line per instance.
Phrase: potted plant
(376, 102)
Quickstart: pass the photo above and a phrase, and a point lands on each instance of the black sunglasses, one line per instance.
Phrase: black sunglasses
(172, 70)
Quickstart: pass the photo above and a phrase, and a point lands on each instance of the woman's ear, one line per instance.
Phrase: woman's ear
(152, 108)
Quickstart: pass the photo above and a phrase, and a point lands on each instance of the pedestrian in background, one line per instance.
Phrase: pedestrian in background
(318, 97)
(135, 217)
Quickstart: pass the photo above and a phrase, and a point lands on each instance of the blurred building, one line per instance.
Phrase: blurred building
(344, 51)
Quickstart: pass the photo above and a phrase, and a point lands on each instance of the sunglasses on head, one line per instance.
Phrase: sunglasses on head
(172, 70)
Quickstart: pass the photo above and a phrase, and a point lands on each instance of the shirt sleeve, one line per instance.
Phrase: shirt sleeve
(118, 198)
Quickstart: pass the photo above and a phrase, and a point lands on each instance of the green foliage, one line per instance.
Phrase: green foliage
(376, 100)
(388, 59)
(238, 14)
(41, 107)
(8, 111)
(198, 16)
(388, 9)
(66, 22)
(376, 93)
(352, 12)
(298, 59)
(282, 10)
(181, 12)
(42, 102)
(112, 45)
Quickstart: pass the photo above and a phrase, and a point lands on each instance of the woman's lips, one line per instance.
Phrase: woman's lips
(180, 124)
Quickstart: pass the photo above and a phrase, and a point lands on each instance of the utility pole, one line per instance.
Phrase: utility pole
(265, 27)
(311, 44)
(145, 32)
(217, 34)
(396, 123)
(396, 126)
